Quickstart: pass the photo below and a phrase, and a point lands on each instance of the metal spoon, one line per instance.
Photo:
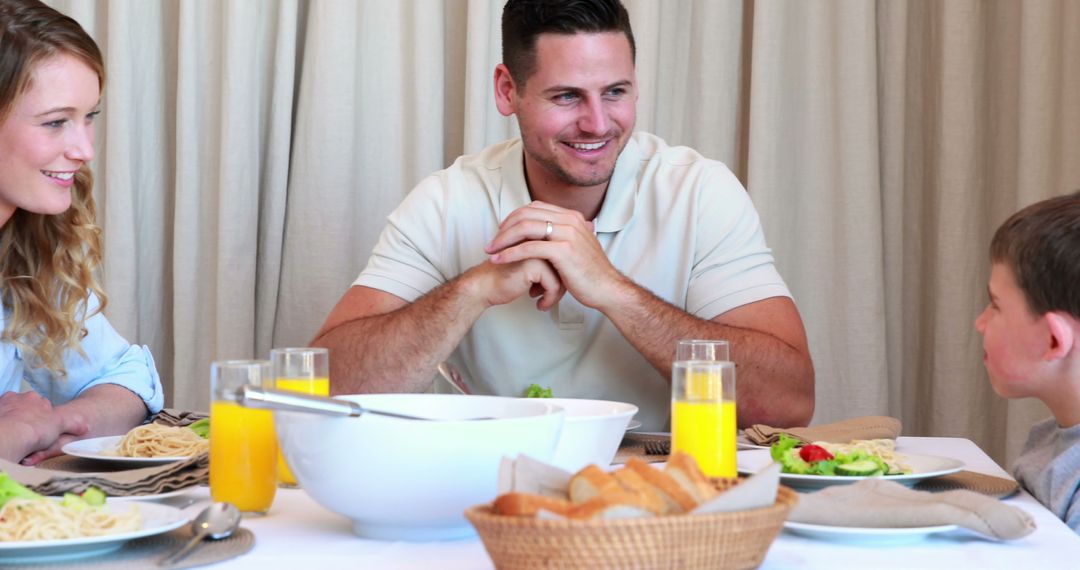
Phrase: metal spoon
(271, 399)
(216, 521)
(447, 371)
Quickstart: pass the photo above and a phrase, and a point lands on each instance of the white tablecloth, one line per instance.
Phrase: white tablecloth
(299, 534)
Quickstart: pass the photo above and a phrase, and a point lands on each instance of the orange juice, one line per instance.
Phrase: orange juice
(243, 452)
(316, 386)
(706, 430)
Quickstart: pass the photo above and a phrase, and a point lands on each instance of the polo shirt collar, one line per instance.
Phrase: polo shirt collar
(618, 206)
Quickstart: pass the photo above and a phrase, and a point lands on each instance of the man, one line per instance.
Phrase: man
(627, 244)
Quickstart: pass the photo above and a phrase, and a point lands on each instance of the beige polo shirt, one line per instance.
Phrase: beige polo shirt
(675, 222)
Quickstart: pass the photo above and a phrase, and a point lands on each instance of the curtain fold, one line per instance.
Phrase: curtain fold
(251, 151)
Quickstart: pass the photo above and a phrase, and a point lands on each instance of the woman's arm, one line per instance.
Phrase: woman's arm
(29, 422)
(105, 409)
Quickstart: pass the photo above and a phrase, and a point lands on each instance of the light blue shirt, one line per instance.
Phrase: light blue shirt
(109, 360)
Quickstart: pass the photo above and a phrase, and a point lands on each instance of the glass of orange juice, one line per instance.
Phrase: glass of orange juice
(694, 349)
(243, 447)
(305, 370)
(703, 420)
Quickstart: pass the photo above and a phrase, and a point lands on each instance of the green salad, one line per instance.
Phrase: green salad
(816, 460)
(12, 489)
(535, 391)
(201, 428)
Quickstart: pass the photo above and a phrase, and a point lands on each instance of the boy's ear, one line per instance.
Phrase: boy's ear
(1064, 334)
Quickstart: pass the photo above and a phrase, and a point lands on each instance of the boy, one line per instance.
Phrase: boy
(1031, 342)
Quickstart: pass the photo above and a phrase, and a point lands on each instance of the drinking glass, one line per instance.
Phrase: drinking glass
(694, 349)
(305, 370)
(243, 448)
(703, 414)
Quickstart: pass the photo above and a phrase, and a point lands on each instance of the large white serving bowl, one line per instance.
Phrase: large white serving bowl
(400, 479)
(591, 433)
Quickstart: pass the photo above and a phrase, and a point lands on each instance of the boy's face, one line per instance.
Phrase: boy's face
(1014, 338)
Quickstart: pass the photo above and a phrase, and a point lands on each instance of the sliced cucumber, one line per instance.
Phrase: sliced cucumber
(860, 468)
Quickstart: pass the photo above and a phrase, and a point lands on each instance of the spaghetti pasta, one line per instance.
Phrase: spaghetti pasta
(155, 440)
(885, 449)
(44, 519)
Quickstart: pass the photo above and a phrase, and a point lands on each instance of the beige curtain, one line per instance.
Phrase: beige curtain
(251, 151)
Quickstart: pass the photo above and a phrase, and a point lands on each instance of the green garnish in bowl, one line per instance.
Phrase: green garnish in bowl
(535, 391)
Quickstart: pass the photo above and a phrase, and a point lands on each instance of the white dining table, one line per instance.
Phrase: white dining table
(298, 533)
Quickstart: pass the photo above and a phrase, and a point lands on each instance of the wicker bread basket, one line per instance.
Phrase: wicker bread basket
(719, 540)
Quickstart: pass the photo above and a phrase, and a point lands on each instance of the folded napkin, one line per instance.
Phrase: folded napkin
(173, 417)
(997, 487)
(876, 503)
(145, 481)
(866, 427)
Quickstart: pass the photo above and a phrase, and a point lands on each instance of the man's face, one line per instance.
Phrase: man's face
(47, 136)
(1013, 337)
(577, 110)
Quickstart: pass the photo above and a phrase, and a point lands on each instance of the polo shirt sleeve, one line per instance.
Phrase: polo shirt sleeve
(732, 264)
(109, 359)
(408, 259)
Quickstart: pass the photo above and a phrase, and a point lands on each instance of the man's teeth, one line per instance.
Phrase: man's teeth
(587, 146)
(65, 176)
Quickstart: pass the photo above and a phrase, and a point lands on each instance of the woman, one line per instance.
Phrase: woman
(65, 373)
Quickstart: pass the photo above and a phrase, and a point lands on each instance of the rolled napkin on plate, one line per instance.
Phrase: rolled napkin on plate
(866, 427)
(875, 503)
(133, 482)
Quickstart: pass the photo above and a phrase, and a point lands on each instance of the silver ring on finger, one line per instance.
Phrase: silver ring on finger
(547, 231)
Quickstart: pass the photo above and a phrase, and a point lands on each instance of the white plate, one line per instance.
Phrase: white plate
(865, 536)
(156, 520)
(157, 496)
(100, 448)
(634, 424)
(922, 467)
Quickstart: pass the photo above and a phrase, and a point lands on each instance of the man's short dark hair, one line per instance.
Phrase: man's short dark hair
(524, 20)
(1041, 245)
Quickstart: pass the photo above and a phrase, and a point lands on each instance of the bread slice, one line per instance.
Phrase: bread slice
(645, 494)
(615, 506)
(684, 469)
(676, 499)
(528, 504)
(592, 482)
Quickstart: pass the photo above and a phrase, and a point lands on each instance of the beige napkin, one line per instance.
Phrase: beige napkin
(173, 417)
(145, 481)
(866, 427)
(876, 503)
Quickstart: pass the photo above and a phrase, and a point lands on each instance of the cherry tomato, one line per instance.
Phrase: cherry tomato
(812, 453)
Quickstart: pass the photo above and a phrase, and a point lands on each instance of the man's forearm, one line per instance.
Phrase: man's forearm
(399, 350)
(774, 380)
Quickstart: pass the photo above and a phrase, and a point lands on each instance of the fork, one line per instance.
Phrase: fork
(657, 447)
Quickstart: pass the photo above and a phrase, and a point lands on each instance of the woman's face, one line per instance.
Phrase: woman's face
(46, 136)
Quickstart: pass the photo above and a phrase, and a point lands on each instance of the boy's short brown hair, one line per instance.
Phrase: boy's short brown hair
(1041, 245)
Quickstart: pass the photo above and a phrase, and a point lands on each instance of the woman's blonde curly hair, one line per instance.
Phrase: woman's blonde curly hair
(47, 262)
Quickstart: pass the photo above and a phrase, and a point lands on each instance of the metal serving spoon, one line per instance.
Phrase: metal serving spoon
(267, 398)
(450, 374)
(216, 521)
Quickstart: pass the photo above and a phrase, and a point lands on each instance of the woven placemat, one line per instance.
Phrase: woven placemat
(998, 487)
(145, 553)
